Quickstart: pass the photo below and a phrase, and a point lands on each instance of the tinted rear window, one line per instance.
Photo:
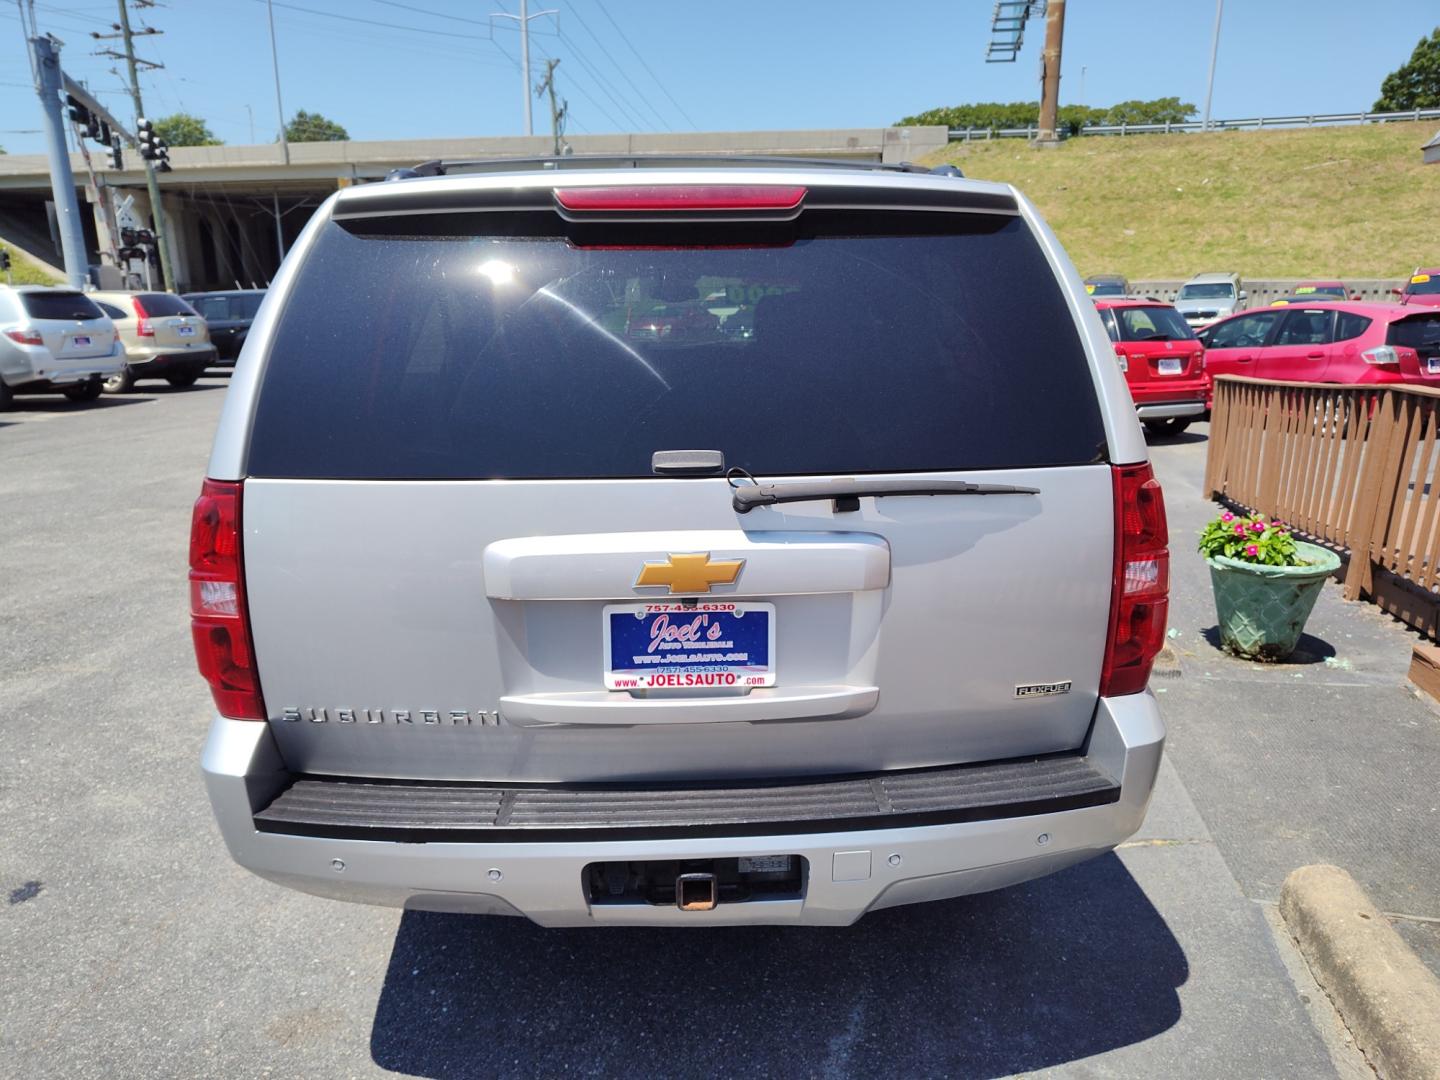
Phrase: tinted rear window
(489, 356)
(164, 304)
(59, 305)
(1152, 324)
(1421, 333)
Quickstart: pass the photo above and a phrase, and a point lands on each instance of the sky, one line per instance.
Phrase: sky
(390, 69)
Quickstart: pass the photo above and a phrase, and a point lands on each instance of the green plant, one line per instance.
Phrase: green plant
(1250, 538)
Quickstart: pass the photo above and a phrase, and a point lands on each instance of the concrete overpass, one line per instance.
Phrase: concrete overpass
(232, 210)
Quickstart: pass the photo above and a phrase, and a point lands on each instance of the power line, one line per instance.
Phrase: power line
(602, 83)
(638, 93)
(436, 14)
(601, 6)
(374, 22)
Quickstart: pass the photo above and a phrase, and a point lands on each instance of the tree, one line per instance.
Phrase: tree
(1415, 85)
(1019, 114)
(182, 129)
(312, 127)
(1166, 110)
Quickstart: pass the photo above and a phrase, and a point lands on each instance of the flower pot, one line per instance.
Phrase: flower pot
(1262, 609)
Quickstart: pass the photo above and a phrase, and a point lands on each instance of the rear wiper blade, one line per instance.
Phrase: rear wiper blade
(748, 493)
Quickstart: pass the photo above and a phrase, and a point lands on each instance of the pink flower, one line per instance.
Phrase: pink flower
(1251, 550)
(1227, 516)
(1239, 528)
(1258, 526)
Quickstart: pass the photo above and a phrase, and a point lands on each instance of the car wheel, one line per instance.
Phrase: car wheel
(182, 378)
(6, 396)
(89, 390)
(119, 383)
(1173, 426)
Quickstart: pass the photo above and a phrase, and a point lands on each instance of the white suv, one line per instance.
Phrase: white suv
(692, 545)
(54, 341)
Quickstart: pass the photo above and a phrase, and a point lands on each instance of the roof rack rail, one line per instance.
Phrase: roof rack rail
(441, 167)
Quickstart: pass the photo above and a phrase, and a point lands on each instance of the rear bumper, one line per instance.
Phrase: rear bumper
(851, 870)
(39, 371)
(158, 365)
(1165, 410)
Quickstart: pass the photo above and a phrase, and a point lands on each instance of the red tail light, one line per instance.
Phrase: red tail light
(1139, 598)
(25, 336)
(143, 329)
(219, 619)
(671, 197)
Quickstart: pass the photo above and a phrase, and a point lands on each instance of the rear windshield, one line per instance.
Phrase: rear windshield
(1423, 285)
(159, 303)
(59, 305)
(492, 356)
(1419, 332)
(1152, 324)
(1105, 288)
(220, 306)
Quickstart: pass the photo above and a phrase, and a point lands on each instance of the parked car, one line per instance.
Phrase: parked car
(1208, 297)
(1423, 288)
(1331, 342)
(1163, 361)
(1098, 285)
(227, 316)
(1322, 290)
(504, 610)
(164, 338)
(54, 341)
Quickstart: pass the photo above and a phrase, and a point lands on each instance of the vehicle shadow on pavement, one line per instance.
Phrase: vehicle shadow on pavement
(26, 404)
(1022, 979)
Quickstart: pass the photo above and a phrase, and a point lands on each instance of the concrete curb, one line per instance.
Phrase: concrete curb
(1389, 1000)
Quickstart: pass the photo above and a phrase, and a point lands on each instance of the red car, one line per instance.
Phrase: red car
(1330, 342)
(1423, 288)
(1162, 359)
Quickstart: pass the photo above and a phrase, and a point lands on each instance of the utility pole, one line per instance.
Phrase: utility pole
(152, 186)
(523, 19)
(279, 105)
(557, 112)
(1050, 72)
(1214, 52)
(46, 55)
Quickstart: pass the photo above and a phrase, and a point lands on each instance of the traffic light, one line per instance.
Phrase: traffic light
(152, 147)
(4, 259)
(146, 137)
(79, 114)
(117, 155)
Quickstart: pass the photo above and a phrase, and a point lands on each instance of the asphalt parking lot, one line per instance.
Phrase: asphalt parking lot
(134, 947)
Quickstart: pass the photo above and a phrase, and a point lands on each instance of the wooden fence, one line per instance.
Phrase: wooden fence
(1356, 468)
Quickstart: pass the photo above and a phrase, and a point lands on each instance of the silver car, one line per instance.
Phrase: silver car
(54, 341)
(1206, 298)
(525, 585)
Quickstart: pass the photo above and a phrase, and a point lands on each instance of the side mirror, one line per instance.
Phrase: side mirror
(1397, 292)
(1244, 295)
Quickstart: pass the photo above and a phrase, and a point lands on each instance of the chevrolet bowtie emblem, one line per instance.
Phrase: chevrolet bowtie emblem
(690, 573)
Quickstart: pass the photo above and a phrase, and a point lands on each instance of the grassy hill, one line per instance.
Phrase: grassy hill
(1325, 202)
(23, 271)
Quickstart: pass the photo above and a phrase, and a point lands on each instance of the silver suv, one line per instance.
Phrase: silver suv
(691, 545)
(1206, 298)
(54, 341)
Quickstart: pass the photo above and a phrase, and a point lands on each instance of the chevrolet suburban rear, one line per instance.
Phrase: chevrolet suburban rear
(698, 544)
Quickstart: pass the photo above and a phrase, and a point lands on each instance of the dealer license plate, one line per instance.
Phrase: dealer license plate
(81, 340)
(186, 331)
(1432, 365)
(1170, 365)
(707, 645)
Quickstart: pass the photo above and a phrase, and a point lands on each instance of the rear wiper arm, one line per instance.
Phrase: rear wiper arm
(748, 493)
